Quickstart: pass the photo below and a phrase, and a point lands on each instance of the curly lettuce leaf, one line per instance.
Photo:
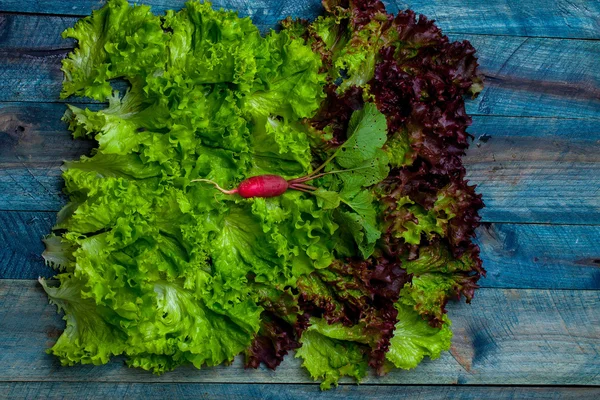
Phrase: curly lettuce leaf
(115, 41)
(89, 337)
(414, 339)
(279, 148)
(208, 46)
(438, 276)
(328, 359)
(288, 83)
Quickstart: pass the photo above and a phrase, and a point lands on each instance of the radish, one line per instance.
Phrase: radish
(258, 186)
(274, 185)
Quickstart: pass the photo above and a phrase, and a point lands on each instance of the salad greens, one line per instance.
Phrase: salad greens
(355, 274)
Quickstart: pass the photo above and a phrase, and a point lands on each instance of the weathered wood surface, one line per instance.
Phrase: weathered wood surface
(546, 18)
(537, 77)
(524, 76)
(60, 390)
(535, 157)
(540, 256)
(264, 13)
(20, 32)
(21, 246)
(515, 255)
(534, 337)
(538, 191)
(541, 170)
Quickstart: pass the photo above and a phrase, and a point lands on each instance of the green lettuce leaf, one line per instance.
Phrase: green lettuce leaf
(89, 337)
(287, 83)
(414, 339)
(115, 41)
(399, 150)
(329, 359)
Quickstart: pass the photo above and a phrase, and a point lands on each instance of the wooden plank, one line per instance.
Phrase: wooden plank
(503, 139)
(506, 337)
(33, 135)
(515, 255)
(27, 189)
(529, 169)
(31, 76)
(540, 256)
(33, 144)
(557, 18)
(538, 191)
(21, 244)
(544, 18)
(19, 32)
(264, 13)
(541, 170)
(525, 76)
(60, 390)
(537, 77)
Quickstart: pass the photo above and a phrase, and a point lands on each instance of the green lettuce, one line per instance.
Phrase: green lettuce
(414, 339)
(328, 359)
(156, 265)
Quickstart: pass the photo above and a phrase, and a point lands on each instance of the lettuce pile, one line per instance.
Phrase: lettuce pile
(170, 272)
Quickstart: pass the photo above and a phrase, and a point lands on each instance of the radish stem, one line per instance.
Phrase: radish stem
(312, 177)
(301, 189)
(301, 185)
(324, 163)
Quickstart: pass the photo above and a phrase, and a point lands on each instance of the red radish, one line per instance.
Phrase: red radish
(274, 185)
(263, 186)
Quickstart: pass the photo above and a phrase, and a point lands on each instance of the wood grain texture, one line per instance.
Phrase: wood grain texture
(31, 75)
(540, 256)
(20, 32)
(21, 246)
(536, 158)
(503, 139)
(524, 76)
(545, 18)
(60, 390)
(33, 135)
(536, 169)
(538, 191)
(555, 18)
(264, 13)
(537, 77)
(537, 337)
(541, 170)
(515, 256)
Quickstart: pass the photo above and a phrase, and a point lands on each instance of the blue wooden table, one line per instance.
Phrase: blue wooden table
(534, 328)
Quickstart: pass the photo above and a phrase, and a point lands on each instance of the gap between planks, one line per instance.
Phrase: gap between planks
(83, 104)
(483, 223)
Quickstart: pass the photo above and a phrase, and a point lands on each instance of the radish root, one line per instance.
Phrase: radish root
(216, 185)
